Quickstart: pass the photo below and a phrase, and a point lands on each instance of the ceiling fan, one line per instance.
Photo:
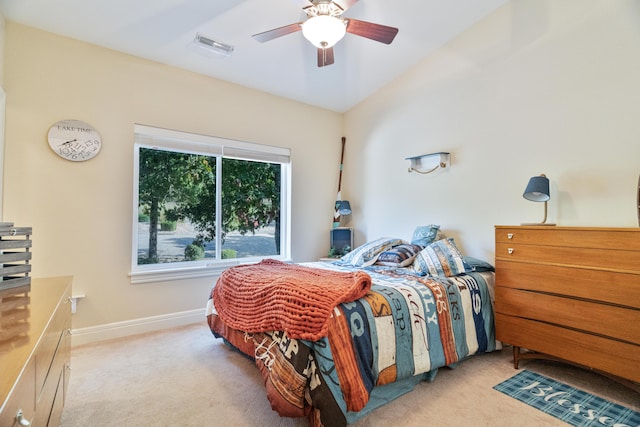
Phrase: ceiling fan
(325, 26)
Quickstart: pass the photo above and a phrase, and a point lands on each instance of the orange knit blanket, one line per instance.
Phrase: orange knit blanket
(276, 296)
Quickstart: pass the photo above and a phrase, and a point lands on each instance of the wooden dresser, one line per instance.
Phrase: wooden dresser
(571, 293)
(35, 352)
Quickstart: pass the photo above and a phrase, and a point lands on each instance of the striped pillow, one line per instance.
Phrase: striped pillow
(441, 258)
(423, 235)
(368, 253)
(399, 256)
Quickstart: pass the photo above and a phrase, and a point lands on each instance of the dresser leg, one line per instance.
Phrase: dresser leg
(516, 356)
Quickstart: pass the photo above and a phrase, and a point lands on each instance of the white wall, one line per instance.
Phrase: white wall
(81, 213)
(537, 87)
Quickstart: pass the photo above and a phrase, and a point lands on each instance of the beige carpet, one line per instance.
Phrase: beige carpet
(186, 377)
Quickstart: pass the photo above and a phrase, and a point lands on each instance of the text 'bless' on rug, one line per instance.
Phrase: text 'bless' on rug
(569, 404)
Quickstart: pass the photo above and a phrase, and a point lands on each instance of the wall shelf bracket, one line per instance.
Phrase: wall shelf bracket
(427, 163)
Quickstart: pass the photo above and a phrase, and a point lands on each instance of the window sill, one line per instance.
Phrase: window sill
(179, 273)
(166, 274)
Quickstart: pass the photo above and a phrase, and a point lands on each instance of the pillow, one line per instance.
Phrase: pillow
(424, 235)
(475, 264)
(368, 253)
(399, 256)
(441, 258)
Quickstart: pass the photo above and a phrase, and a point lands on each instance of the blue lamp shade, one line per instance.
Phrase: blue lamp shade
(538, 189)
(344, 208)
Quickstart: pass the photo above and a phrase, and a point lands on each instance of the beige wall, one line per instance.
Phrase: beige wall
(2, 37)
(81, 212)
(2, 109)
(538, 87)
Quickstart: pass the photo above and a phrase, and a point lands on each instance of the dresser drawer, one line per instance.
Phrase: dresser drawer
(596, 285)
(591, 258)
(58, 326)
(574, 237)
(591, 317)
(53, 388)
(593, 351)
(22, 398)
(58, 403)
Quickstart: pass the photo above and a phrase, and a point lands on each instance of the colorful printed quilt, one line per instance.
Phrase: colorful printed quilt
(401, 332)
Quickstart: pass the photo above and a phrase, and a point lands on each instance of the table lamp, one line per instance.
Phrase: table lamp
(538, 191)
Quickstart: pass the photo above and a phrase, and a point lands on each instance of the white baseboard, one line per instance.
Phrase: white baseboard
(136, 326)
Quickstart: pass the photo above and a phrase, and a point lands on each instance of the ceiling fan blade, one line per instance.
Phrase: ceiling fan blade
(277, 32)
(345, 4)
(325, 56)
(377, 32)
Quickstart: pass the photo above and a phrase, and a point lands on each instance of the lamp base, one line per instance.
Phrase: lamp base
(537, 223)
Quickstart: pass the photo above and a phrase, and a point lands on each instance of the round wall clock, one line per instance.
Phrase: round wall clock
(74, 140)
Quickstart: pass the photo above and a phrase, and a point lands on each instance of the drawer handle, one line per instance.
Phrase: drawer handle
(21, 420)
(510, 250)
(509, 236)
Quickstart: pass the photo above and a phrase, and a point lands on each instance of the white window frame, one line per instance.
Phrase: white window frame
(178, 141)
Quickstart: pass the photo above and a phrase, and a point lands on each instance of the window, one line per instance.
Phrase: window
(203, 203)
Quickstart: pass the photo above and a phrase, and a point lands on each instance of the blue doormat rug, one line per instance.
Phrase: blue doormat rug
(568, 404)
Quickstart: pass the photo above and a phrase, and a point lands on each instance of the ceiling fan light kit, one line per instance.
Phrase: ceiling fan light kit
(325, 27)
(324, 31)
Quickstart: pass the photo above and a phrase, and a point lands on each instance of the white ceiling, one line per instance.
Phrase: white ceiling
(163, 30)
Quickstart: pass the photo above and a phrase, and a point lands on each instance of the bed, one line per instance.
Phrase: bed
(335, 340)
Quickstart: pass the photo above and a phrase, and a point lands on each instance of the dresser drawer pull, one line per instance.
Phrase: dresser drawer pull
(21, 420)
(510, 250)
(509, 236)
